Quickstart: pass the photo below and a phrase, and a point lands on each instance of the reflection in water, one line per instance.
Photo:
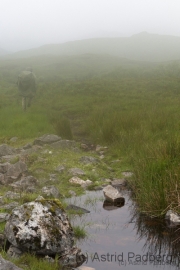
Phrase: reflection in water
(119, 237)
(160, 239)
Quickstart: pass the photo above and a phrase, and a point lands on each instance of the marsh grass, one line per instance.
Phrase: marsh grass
(79, 232)
(133, 110)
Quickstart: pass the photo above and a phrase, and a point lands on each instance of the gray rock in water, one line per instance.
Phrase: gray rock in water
(47, 139)
(76, 171)
(6, 265)
(173, 217)
(41, 226)
(51, 191)
(6, 150)
(112, 195)
(88, 160)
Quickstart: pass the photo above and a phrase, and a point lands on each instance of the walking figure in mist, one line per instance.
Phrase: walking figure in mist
(27, 87)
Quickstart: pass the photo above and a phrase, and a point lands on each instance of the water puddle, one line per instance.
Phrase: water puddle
(119, 238)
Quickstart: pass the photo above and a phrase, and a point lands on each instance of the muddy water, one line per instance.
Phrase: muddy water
(119, 238)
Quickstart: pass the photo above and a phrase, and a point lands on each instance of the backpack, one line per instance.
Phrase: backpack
(26, 81)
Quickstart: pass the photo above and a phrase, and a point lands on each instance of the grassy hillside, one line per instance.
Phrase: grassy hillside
(141, 47)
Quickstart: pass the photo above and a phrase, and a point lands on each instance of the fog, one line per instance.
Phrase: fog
(26, 24)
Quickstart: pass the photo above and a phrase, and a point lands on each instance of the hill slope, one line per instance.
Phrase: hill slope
(141, 47)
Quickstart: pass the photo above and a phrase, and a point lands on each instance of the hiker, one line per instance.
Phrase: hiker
(27, 87)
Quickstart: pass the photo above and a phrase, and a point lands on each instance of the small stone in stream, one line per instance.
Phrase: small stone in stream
(111, 194)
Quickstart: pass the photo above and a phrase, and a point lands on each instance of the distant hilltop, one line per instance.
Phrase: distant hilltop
(141, 47)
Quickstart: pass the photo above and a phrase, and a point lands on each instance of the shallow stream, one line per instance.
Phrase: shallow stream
(118, 237)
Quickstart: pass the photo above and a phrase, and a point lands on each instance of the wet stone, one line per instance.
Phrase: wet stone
(112, 195)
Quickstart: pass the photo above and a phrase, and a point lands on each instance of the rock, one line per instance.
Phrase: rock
(51, 191)
(76, 171)
(73, 258)
(41, 226)
(6, 265)
(173, 217)
(60, 169)
(16, 170)
(77, 208)
(27, 146)
(100, 148)
(53, 177)
(88, 160)
(47, 139)
(6, 150)
(79, 181)
(13, 139)
(72, 192)
(4, 167)
(3, 241)
(11, 195)
(127, 174)
(111, 194)
(3, 179)
(10, 206)
(118, 182)
(14, 252)
(64, 144)
(24, 183)
(4, 217)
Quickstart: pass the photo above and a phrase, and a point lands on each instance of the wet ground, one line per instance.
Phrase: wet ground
(118, 238)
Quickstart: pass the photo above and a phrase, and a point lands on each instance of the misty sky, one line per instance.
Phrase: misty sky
(26, 24)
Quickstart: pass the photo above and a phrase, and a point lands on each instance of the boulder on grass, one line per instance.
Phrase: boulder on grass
(47, 139)
(43, 228)
(6, 265)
